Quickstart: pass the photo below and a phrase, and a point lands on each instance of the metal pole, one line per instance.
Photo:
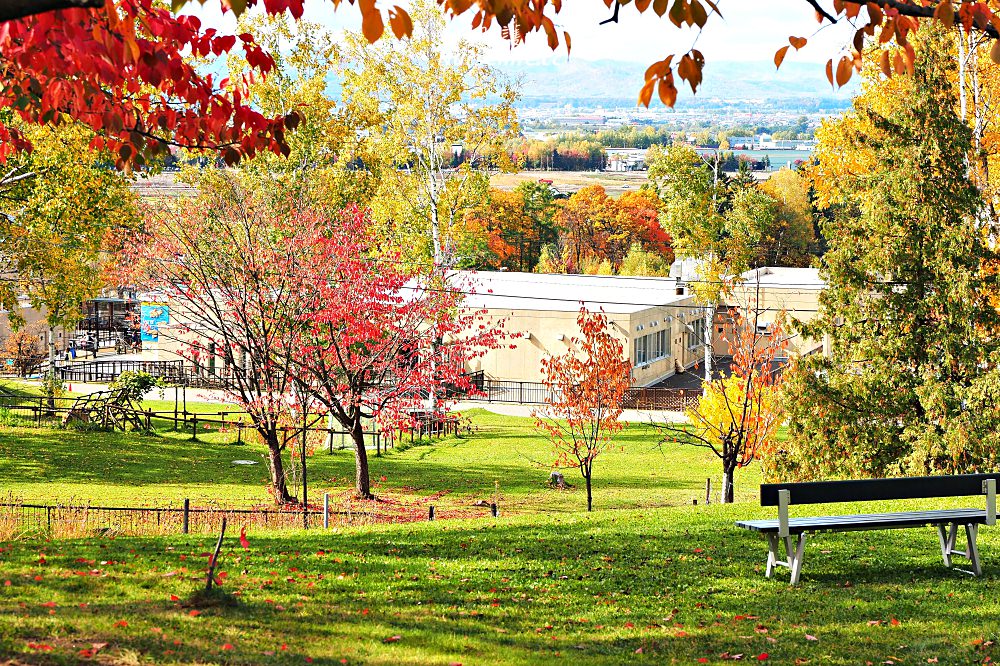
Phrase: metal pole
(430, 513)
(326, 511)
(329, 433)
(302, 454)
(708, 490)
(187, 510)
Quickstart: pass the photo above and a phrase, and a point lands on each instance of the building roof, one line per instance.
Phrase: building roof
(775, 277)
(501, 290)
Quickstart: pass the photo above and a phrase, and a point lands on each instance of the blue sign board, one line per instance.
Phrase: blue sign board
(151, 316)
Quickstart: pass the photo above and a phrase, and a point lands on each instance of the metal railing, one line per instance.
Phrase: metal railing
(102, 372)
(535, 393)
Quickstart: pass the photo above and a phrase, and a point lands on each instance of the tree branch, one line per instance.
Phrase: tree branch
(14, 9)
(822, 12)
(906, 8)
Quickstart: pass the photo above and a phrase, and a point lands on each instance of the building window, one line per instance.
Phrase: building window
(696, 336)
(651, 347)
(641, 349)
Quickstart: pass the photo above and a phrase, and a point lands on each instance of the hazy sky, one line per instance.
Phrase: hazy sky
(749, 30)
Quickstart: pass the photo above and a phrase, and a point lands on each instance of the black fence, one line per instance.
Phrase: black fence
(102, 372)
(535, 393)
(480, 387)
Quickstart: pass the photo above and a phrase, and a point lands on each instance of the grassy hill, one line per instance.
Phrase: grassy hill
(646, 579)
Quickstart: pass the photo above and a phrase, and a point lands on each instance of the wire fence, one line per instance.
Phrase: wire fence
(20, 519)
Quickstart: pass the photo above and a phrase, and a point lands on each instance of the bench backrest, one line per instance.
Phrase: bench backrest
(865, 490)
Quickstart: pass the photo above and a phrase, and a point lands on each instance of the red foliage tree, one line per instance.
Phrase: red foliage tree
(890, 23)
(379, 338)
(122, 70)
(585, 387)
(213, 264)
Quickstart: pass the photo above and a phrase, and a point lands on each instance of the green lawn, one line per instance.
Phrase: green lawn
(671, 585)
(57, 465)
(646, 579)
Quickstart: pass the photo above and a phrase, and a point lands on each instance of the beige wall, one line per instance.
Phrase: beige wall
(34, 323)
(797, 302)
(548, 332)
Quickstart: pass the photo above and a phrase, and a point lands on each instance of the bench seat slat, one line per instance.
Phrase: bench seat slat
(871, 521)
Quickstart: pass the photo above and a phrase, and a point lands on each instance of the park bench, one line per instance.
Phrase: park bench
(791, 532)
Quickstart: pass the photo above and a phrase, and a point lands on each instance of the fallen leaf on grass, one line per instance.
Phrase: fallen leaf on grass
(763, 656)
(392, 639)
(195, 613)
(810, 637)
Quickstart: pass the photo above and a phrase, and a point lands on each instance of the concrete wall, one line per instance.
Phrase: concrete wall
(798, 302)
(548, 332)
(35, 324)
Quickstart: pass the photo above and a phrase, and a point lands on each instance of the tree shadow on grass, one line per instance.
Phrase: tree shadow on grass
(499, 591)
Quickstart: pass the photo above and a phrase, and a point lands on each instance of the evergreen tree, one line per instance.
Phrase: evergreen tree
(909, 386)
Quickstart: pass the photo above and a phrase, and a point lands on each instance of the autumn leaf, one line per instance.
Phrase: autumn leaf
(392, 639)
(243, 539)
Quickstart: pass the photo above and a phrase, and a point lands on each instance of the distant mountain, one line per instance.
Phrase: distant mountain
(610, 82)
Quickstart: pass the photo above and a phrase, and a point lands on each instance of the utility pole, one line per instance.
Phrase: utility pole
(710, 307)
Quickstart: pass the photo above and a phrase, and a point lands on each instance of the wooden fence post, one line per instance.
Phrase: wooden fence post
(187, 510)
(430, 513)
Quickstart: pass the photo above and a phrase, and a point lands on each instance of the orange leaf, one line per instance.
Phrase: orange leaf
(400, 22)
(667, 91)
(797, 42)
(945, 13)
(779, 56)
(372, 26)
(844, 71)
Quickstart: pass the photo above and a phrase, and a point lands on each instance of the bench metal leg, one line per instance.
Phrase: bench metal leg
(948, 537)
(795, 559)
(792, 558)
(971, 532)
(772, 554)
